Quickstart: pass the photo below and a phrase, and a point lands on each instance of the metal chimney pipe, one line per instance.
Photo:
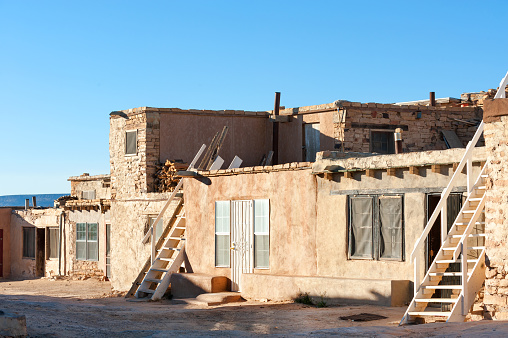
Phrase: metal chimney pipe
(34, 202)
(432, 99)
(275, 143)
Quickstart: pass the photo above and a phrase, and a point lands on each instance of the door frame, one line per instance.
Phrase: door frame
(242, 240)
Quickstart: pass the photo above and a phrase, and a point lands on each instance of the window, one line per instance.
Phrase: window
(157, 228)
(261, 233)
(88, 194)
(87, 247)
(52, 243)
(376, 227)
(131, 142)
(29, 242)
(382, 142)
(222, 233)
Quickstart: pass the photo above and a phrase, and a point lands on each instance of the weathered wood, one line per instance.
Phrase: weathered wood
(391, 171)
(370, 173)
(414, 170)
(436, 168)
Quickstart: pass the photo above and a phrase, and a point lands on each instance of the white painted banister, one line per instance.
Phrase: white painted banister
(441, 208)
(446, 192)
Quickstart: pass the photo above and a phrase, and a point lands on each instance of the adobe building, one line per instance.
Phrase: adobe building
(67, 240)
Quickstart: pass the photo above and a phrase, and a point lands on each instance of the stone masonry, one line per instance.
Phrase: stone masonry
(496, 141)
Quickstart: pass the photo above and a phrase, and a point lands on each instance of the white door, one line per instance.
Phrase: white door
(241, 241)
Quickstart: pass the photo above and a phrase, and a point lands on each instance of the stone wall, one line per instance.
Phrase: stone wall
(134, 174)
(496, 141)
(99, 183)
(355, 121)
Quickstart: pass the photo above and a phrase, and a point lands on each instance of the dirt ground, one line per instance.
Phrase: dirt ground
(62, 308)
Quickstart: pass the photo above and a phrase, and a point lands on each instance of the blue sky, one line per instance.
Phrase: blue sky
(65, 65)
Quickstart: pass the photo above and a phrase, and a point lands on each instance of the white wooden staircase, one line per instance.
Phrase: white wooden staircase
(457, 273)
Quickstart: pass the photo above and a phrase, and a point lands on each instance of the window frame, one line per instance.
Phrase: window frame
(48, 242)
(376, 229)
(261, 233)
(222, 233)
(87, 241)
(23, 247)
(389, 146)
(255, 233)
(151, 219)
(135, 132)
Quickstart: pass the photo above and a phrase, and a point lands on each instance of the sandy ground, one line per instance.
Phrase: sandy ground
(88, 308)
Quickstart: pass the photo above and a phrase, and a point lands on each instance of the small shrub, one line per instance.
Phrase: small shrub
(304, 298)
(322, 302)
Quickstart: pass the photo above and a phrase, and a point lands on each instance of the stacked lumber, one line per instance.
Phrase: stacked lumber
(165, 176)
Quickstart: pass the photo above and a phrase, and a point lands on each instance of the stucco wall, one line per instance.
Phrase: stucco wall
(308, 215)
(248, 136)
(5, 225)
(99, 183)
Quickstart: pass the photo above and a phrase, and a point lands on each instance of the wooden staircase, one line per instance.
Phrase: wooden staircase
(457, 273)
(167, 255)
(167, 260)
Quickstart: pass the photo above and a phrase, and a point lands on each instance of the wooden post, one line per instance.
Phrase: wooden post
(398, 140)
(275, 143)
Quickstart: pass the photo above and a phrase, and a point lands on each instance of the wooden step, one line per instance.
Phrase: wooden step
(442, 287)
(429, 313)
(153, 280)
(464, 223)
(159, 269)
(448, 274)
(470, 236)
(168, 248)
(436, 300)
(165, 259)
(176, 238)
(471, 211)
(449, 261)
(146, 290)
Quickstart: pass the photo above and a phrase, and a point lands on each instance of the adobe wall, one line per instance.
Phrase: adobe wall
(5, 225)
(496, 206)
(291, 135)
(129, 223)
(308, 213)
(249, 135)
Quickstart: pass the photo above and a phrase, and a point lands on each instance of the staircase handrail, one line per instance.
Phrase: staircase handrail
(446, 192)
(472, 221)
(149, 233)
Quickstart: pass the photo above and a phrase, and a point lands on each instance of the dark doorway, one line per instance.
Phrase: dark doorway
(1, 253)
(40, 255)
(434, 240)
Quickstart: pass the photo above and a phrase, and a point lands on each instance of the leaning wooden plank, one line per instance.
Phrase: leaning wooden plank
(209, 151)
(236, 163)
(216, 149)
(217, 164)
(269, 158)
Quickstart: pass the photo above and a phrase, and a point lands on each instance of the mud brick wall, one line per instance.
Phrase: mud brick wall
(87, 269)
(99, 183)
(421, 125)
(496, 227)
(134, 174)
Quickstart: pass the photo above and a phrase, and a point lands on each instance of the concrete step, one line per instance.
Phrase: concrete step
(191, 285)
